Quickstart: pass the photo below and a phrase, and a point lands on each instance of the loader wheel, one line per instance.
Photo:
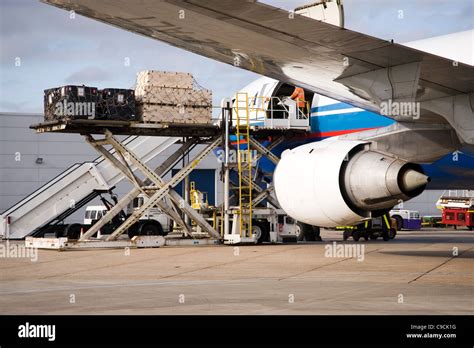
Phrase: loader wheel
(260, 231)
(132, 233)
(305, 232)
(73, 231)
(373, 236)
(59, 232)
(385, 236)
(355, 236)
(317, 233)
(151, 229)
(366, 237)
(308, 233)
(346, 234)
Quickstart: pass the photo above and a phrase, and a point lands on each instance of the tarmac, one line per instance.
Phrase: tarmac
(420, 272)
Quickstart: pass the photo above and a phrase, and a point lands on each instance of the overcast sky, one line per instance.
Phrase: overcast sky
(55, 50)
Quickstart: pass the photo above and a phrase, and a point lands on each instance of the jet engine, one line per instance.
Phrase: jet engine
(342, 182)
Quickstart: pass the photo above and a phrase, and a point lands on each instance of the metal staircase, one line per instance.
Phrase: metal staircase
(72, 189)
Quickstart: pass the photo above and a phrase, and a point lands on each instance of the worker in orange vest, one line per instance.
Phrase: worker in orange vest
(298, 95)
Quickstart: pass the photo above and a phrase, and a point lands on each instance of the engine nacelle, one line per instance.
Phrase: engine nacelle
(341, 182)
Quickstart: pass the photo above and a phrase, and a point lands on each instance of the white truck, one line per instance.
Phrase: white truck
(153, 222)
(406, 219)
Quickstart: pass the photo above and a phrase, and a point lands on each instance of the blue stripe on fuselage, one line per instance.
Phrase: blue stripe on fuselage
(348, 121)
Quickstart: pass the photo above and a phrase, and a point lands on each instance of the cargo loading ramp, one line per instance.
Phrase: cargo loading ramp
(155, 187)
(158, 129)
(86, 181)
(71, 188)
(92, 126)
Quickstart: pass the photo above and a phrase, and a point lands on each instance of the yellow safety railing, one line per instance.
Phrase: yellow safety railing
(261, 108)
(244, 163)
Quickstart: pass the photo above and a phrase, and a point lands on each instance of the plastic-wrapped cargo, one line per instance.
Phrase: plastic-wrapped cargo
(174, 96)
(171, 97)
(179, 113)
(165, 79)
(70, 102)
(117, 104)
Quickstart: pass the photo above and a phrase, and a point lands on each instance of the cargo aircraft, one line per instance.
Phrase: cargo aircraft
(387, 120)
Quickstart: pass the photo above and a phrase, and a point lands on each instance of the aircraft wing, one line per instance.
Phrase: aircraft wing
(342, 64)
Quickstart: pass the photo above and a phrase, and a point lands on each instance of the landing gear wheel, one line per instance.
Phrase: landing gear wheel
(151, 229)
(355, 236)
(260, 231)
(73, 231)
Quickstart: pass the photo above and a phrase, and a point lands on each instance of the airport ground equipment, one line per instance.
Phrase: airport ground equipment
(121, 160)
(268, 225)
(457, 207)
(73, 189)
(406, 219)
(432, 221)
(383, 226)
(244, 164)
(157, 191)
(257, 223)
(154, 222)
(64, 243)
(199, 200)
